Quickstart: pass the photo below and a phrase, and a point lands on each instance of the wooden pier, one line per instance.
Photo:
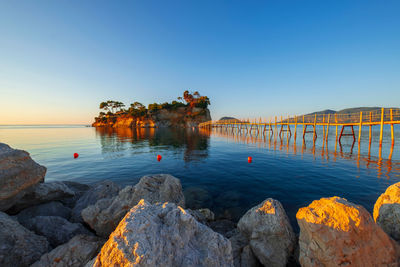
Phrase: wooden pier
(282, 127)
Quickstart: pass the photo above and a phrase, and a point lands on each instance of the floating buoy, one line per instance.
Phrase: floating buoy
(159, 157)
(249, 159)
(76, 155)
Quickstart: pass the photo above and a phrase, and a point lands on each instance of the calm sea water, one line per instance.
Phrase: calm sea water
(213, 167)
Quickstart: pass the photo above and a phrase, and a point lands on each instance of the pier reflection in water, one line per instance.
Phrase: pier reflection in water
(345, 150)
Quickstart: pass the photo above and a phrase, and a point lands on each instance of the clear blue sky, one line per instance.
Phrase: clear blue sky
(59, 59)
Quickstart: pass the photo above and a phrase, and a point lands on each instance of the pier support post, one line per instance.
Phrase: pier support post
(359, 128)
(381, 133)
(391, 126)
(315, 124)
(327, 128)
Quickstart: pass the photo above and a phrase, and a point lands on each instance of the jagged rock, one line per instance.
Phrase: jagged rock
(18, 174)
(91, 262)
(53, 208)
(104, 216)
(57, 230)
(78, 189)
(248, 259)
(102, 190)
(387, 211)
(269, 231)
(243, 256)
(76, 253)
(335, 232)
(18, 245)
(163, 235)
(42, 193)
(202, 215)
(224, 227)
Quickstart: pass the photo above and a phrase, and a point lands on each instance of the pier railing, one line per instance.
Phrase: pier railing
(278, 126)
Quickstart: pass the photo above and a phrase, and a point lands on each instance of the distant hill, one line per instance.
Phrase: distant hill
(351, 110)
(352, 114)
(227, 118)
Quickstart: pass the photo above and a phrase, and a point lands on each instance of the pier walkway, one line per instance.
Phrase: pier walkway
(284, 126)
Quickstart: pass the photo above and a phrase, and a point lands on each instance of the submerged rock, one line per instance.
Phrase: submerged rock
(387, 211)
(104, 216)
(18, 174)
(270, 234)
(197, 198)
(42, 193)
(202, 215)
(102, 190)
(335, 232)
(224, 227)
(163, 235)
(18, 245)
(76, 253)
(57, 230)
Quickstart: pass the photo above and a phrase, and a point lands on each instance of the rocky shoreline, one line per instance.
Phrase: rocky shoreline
(147, 224)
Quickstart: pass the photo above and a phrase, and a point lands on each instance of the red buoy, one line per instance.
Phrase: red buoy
(76, 155)
(249, 159)
(159, 157)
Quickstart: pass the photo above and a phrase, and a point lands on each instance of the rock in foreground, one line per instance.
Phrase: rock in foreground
(335, 232)
(18, 174)
(102, 190)
(42, 193)
(76, 253)
(105, 215)
(270, 234)
(56, 229)
(19, 246)
(387, 211)
(163, 235)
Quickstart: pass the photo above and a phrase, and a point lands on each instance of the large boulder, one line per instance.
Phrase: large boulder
(387, 211)
(18, 174)
(18, 245)
(104, 216)
(163, 234)
(335, 232)
(101, 190)
(57, 230)
(76, 253)
(42, 193)
(270, 234)
(53, 208)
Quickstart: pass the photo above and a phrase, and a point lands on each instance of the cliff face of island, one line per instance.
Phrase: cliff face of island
(177, 113)
(180, 117)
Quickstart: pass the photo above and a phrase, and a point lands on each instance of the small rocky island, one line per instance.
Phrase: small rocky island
(147, 224)
(174, 114)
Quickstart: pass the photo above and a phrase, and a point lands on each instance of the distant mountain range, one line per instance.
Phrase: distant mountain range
(346, 115)
(352, 110)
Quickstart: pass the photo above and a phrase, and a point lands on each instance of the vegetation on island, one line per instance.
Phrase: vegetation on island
(113, 109)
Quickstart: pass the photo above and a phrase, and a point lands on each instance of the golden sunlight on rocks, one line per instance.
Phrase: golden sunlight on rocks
(267, 207)
(387, 211)
(269, 232)
(163, 234)
(335, 232)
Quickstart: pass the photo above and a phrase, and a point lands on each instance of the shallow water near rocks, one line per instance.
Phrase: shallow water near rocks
(213, 167)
